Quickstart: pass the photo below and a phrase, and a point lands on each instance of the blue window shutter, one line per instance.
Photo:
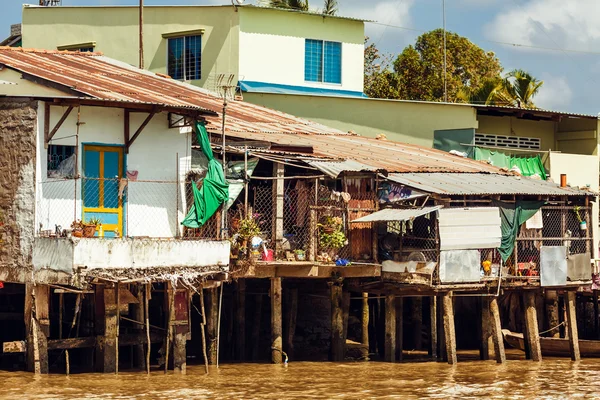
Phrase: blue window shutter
(175, 58)
(313, 60)
(333, 62)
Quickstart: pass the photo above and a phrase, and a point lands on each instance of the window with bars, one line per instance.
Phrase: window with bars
(56, 155)
(323, 61)
(515, 142)
(184, 58)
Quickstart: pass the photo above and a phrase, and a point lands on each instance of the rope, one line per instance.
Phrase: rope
(551, 329)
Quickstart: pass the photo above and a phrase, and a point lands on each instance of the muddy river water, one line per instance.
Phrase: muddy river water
(550, 379)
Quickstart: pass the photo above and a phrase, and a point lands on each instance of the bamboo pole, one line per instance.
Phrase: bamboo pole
(203, 330)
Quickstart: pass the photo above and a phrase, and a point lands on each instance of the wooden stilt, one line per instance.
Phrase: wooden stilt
(433, 329)
(449, 333)
(256, 324)
(276, 323)
(496, 330)
(417, 321)
(485, 328)
(110, 331)
(345, 316)
(240, 334)
(573, 333)
(203, 330)
(531, 326)
(211, 324)
(118, 323)
(390, 328)
(596, 320)
(61, 307)
(76, 317)
(291, 329)
(337, 322)
(137, 313)
(147, 289)
(170, 300)
(365, 319)
(442, 355)
(399, 328)
(37, 324)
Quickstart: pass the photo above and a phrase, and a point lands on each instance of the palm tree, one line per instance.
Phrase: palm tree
(329, 6)
(491, 92)
(522, 87)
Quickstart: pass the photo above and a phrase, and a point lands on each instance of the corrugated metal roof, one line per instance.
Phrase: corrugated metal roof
(395, 214)
(534, 111)
(335, 168)
(481, 184)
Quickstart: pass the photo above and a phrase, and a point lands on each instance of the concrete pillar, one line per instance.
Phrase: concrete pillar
(531, 325)
(572, 318)
(337, 322)
(449, 332)
(496, 330)
(390, 328)
(276, 322)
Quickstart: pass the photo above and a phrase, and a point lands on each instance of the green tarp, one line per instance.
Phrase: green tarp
(512, 216)
(528, 166)
(214, 190)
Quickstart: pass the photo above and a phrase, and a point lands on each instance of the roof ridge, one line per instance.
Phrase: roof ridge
(45, 51)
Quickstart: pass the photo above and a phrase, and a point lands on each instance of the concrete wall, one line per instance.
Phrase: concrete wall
(65, 255)
(578, 136)
(401, 121)
(272, 47)
(511, 126)
(151, 208)
(18, 120)
(115, 31)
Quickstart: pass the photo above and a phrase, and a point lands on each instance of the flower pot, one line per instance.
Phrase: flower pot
(77, 233)
(328, 229)
(89, 231)
(300, 256)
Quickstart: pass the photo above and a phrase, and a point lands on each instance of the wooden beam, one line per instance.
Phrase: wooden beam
(126, 129)
(276, 322)
(46, 123)
(531, 326)
(58, 125)
(390, 328)
(310, 270)
(496, 330)
(337, 322)
(139, 130)
(449, 332)
(572, 318)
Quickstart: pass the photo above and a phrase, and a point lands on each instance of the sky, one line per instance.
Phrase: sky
(557, 41)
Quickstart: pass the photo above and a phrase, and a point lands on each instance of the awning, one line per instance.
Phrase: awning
(395, 214)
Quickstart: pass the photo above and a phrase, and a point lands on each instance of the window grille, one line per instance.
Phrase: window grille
(323, 61)
(516, 142)
(184, 58)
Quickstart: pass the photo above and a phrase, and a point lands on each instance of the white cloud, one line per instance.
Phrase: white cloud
(555, 93)
(551, 23)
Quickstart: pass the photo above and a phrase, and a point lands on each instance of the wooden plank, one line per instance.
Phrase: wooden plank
(19, 346)
(390, 329)
(572, 326)
(316, 271)
(337, 322)
(449, 332)
(46, 123)
(276, 322)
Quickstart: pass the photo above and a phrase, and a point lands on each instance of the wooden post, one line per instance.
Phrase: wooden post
(390, 328)
(365, 320)
(345, 316)
(417, 321)
(399, 328)
(449, 333)
(241, 320)
(37, 324)
(551, 300)
(203, 330)
(337, 322)
(442, 355)
(168, 304)
(256, 324)
(118, 321)
(596, 320)
(211, 324)
(278, 203)
(531, 325)
(485, 328)
(572, 318)
(312, 238)
(496, 330)
(433, 331)
(180, 320)
(293, 313)
(276, 324)
(148, 289)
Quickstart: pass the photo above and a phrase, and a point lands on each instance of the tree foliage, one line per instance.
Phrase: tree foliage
(379, 80)
(330, 7)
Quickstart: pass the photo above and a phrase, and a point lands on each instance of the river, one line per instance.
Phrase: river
(550, 379)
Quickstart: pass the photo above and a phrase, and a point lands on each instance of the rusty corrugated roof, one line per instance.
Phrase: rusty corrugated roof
(99, 77)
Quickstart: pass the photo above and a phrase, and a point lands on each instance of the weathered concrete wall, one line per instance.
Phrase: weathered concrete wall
(17, 187)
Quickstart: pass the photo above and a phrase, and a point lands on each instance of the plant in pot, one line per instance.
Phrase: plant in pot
(247, 229)
(330, 224)
(300, 255)
(331, 242)
(77, 228)
(89, 228)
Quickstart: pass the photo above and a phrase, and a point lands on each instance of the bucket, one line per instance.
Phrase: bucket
(268, 255)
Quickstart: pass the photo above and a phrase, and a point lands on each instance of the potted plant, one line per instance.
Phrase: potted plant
(300, 255)
(331, 242)
(77, 228)
(89, 228)
(246, 230)
(330, 224)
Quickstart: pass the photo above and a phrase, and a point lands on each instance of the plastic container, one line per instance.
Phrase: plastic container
(268, 256)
